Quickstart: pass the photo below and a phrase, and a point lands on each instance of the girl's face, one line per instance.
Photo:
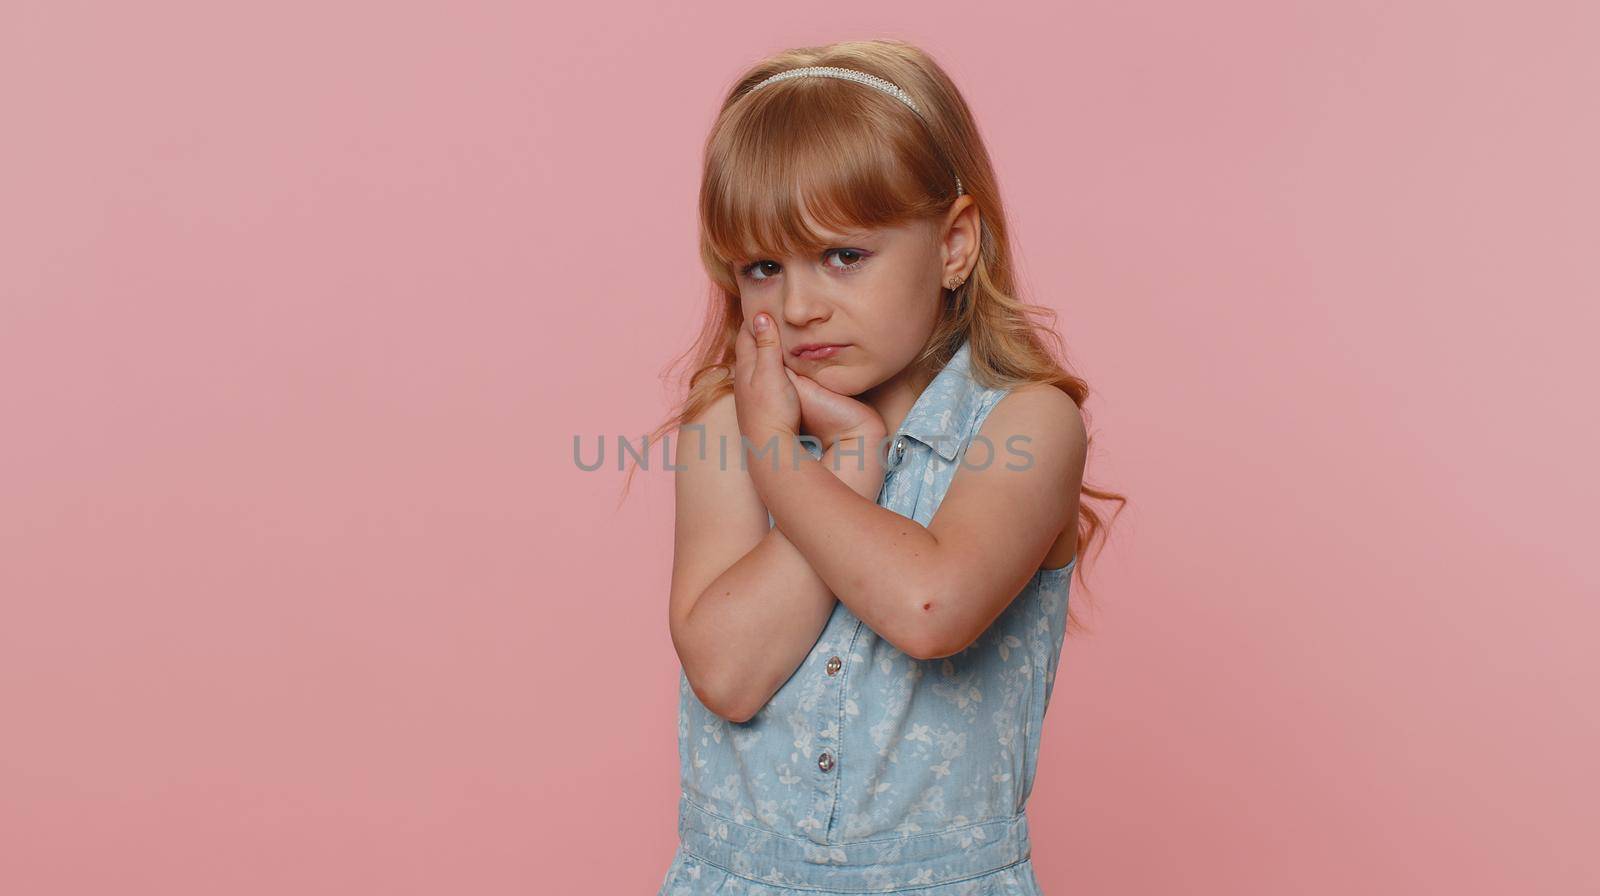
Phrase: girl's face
(873, 295)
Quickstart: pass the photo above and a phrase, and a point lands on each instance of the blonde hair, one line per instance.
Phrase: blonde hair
(852, 157)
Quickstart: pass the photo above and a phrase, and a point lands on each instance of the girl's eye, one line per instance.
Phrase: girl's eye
(852, 258)
(855, 255)
(749, 269)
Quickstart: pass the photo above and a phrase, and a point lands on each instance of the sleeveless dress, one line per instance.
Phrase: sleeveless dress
(870, 771)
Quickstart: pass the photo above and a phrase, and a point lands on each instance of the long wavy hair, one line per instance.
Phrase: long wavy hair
(853, 157)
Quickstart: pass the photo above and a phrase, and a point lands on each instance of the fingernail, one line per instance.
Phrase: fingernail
(761, 323)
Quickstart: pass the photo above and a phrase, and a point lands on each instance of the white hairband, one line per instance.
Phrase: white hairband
(850, 74)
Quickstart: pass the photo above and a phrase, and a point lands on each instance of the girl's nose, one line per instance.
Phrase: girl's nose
(803, 303)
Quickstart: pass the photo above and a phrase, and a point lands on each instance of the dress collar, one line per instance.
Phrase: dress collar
(942, 413)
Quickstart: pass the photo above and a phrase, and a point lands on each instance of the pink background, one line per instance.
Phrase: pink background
(302, 305)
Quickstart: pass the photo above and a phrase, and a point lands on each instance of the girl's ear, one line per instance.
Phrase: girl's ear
(959, 239)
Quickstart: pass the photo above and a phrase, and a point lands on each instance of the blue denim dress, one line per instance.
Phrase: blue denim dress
(870, 771)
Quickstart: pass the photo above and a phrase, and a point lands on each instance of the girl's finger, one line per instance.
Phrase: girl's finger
(799, 390)
(803, 385)
(769, 349)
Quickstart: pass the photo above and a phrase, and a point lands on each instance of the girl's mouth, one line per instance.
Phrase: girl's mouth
(816, 353)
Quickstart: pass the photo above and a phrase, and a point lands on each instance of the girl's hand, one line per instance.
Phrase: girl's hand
(765, 400)
(831, 416)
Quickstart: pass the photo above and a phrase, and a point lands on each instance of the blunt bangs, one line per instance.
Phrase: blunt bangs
(800, 163)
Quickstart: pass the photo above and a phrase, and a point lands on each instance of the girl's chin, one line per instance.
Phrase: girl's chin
(848, 386)
(837, 378)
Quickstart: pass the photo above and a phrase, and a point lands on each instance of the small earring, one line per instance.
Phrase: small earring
(955, 282)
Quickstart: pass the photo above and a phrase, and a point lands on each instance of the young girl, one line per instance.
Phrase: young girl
(869, 620)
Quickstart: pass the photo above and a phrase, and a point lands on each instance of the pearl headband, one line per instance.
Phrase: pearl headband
(850, 74)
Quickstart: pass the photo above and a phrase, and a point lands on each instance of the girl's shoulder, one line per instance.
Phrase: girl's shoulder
(1039, 404)
(1045, 422)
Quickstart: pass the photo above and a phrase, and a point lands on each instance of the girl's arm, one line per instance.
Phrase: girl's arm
(745, 605)
(931, 591)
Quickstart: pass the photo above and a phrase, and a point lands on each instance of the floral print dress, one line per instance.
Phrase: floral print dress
(870, 771)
